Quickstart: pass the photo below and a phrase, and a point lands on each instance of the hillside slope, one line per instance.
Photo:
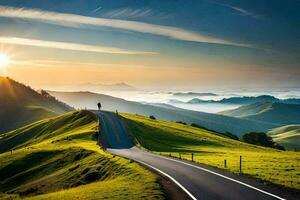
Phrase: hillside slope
(248, 110)
(21, 105)
(215, 122)
(59, 158)
(178, 140)
(277, 113)
(287, 136)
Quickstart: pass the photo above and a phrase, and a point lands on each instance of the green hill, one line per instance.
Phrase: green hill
(288, 136)
(276, 113)
(21, 105)
(208, 147)
(58, 158)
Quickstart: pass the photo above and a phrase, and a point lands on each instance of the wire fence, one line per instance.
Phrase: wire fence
(284, 172)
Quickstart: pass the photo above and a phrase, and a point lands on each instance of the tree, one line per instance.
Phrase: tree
(45, 93)
(261, 139)
(99, 106)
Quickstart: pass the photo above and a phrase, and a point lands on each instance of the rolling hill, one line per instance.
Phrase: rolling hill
(287, 136)
(215, 122)
(20, 105)
(58, 158)
(277, 113)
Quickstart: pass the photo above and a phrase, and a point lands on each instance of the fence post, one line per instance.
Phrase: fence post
(225, 164)
(193, 157)
(240, 164)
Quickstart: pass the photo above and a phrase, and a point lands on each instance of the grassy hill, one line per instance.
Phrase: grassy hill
(58, 158)
(175, 139)
(288, 136)
(277, 113)
(215, 122)
(21, 105)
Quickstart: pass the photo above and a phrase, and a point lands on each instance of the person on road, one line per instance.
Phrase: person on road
(99, 106)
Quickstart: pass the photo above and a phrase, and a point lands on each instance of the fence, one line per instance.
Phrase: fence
(280, 172)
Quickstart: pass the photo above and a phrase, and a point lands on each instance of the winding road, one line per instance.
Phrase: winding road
(196, 180)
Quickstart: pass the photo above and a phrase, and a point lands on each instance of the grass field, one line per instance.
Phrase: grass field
(57, 158)
(266, 164)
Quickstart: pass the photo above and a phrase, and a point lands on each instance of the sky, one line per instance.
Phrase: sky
(152, 44)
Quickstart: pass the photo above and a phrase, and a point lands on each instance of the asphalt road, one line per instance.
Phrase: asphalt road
(198, 181)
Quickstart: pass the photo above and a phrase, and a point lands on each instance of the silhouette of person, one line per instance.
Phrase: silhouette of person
(99, 105)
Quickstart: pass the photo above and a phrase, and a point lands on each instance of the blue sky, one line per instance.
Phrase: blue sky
(211, 42)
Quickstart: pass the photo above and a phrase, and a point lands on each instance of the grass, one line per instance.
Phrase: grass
(57, 158)
(178, 140)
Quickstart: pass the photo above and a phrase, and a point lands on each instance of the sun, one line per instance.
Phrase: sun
(4, 60)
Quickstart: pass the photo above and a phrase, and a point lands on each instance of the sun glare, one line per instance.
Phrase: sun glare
(4, 60)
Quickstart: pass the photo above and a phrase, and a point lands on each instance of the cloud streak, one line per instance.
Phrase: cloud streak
(128, 13)
(67, 46)
(60, 63)
(242, 11)
(73, 20)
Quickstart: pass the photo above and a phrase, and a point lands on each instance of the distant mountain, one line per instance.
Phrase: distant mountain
(174, 101)
(193, 94)
(277, 113)
(211, 121)
(21, 105)
(163, 105)
(246, 100)
(287, 136)
(196, 101)
(104, 87)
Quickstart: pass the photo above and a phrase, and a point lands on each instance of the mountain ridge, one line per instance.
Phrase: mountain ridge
(215, 122)
(246, 100)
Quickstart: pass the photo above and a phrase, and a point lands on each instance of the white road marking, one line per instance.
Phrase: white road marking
(170, 177)
(231, 179)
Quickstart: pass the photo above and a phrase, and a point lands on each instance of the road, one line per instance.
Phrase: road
(196, 180)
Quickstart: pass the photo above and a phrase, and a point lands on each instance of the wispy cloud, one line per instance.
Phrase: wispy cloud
(244, 12)
(241, 11)
(60, 63)
(67, 46)
(128, 13)
(97, 9)
(73, 20)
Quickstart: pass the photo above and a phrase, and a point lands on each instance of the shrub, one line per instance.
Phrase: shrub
(91, 177)
(152, 117)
